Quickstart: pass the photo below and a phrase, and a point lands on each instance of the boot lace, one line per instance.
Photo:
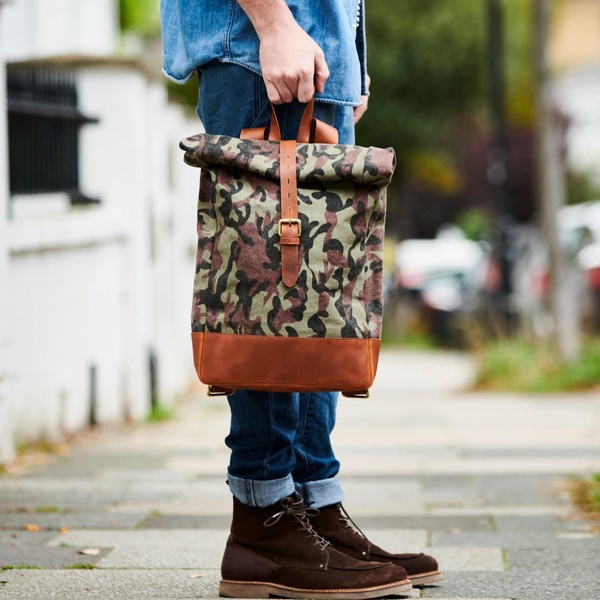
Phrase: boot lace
(301, 514)
(350, 524)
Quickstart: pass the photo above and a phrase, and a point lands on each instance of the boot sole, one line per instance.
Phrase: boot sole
(261, 589)
(425, 578)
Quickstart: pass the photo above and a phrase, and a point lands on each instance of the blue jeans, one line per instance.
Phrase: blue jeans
(280, 443)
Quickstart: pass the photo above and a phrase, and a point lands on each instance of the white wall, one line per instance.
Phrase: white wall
(175, 193)
(42, 28)
(95, 288)
(578, 95)
(6, 445)
(101, 286)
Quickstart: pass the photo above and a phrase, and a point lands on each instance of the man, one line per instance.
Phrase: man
(290, 536)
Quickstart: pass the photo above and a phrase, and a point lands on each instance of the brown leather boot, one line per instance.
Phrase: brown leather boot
(333, 523)
(275, 551)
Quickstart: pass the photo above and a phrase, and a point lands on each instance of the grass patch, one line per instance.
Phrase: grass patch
(585, 494)
(80, 565)
(161, 413)
(46, 510)
(42, 447)
(410, 337)
(518, 365)
(21, 566)
(505, 562)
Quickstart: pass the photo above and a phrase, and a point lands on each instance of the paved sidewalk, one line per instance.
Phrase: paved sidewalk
(473, 478)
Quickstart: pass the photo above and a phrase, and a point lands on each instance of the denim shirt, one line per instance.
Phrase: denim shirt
(195, 32)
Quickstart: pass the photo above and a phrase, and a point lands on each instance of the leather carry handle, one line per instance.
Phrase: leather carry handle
(311, 130)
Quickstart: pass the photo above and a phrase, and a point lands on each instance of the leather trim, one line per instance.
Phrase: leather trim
(322, 133)
(304, 130)
(311, 130)
(290, 232)
(255, 133)
(274, 129)
(285, 364)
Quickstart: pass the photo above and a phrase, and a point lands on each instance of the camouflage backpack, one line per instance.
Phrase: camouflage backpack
(288, 285)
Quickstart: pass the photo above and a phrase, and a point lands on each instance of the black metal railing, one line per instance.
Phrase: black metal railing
(43, 131)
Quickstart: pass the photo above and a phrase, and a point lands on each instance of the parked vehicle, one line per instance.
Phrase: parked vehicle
(579, 237)
(437, 282)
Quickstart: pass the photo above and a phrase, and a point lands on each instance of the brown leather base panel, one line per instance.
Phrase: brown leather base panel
(285, 364)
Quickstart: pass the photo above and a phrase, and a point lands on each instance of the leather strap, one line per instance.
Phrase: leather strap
(255, 133)
(311, 130)
(274, 129)
(289, 227)
(289, 223)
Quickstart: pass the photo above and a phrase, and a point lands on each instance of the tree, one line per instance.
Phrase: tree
(553, 195)
(140, 16)
(427, 60)
(426, 65)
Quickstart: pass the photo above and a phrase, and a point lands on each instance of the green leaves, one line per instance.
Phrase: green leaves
(140, 16)
(426, 60)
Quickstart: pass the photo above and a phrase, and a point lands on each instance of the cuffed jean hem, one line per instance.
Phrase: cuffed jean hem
(253, 492)
(318, 494)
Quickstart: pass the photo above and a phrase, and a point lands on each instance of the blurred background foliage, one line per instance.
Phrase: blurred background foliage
(141, 17)
(428, 63)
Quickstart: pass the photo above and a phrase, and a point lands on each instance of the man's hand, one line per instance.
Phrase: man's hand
(292, 63)
(359, 111)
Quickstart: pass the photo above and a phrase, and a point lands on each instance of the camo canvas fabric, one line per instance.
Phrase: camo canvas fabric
(238, 287)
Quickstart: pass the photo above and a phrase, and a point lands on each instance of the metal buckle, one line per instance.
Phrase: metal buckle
(289, 222)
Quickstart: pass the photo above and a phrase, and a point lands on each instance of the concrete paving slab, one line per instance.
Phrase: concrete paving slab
(383, 462)
(573, 559)
(201, 548)
(214, 464)
(148, 549)
(160, 521)
(204, 496)
(493, 511)
(100, 584)
(43, 557)
(428, 522)
(501, 489)
(143, 478)
(25, 538)
(536, 522)
(398, 540)
(71, 520)
(471, 473)
(471, 558)
(107, 450)
(386, 496)
(519, 539)
(539, 585)
(532, 488)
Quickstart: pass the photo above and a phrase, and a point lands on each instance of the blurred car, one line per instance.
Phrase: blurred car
(439, 279)
(579, 239)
